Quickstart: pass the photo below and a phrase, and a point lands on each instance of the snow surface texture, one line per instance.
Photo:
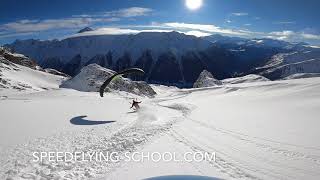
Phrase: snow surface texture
(206, 79)
(93, 76)
(259, 130)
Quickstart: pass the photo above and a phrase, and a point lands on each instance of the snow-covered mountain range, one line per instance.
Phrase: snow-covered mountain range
(281, 65)
(253, 136)
(172, 57)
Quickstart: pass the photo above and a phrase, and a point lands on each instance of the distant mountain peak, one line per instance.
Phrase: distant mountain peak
(86, 29)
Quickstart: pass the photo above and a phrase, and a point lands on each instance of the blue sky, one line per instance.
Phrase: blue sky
(290, 20)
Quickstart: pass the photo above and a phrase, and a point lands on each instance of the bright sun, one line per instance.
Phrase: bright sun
(193, 4)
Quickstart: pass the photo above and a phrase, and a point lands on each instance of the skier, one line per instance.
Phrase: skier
(135, 104)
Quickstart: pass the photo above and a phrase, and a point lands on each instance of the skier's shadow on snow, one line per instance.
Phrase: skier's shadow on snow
(79, 120)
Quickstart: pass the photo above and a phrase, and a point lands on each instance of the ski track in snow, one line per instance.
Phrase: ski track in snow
(231, 166)
(126, 139)
(238, 155)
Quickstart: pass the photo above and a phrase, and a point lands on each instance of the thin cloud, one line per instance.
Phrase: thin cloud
(4, 35)
(49, 24)
(293, 36)
(26, 27)
(73, 22)
(198, 33)
(310, 36)
(240, 14)
(116, 31)
(282, 33)
(208, 28)
(129, 12)
(120, 13)
(284, 22)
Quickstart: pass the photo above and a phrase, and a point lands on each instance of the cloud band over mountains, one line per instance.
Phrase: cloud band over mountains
(28, 26)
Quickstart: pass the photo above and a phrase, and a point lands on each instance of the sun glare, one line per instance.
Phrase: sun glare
(193, 4)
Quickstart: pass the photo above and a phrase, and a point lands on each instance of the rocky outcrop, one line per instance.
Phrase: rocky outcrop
(86, 29)
(55, 72)
(18, 58)
(206, 79)
(91, 77)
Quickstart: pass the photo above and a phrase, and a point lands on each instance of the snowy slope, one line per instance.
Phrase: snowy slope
(14, 77)
(258, 130)
(302, 75)
(245, 79)
(264, 130)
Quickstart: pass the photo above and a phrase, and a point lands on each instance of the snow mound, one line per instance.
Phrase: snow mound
(302, 75)
(93, 76)
(245, 79)
(206, 79)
